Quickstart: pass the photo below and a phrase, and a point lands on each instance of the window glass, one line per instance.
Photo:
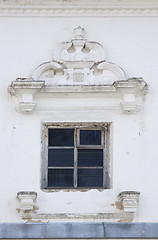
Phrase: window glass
(60, 157)
(90, 137)
(90, 178)
(90, 157)
(60, 177)
(61, 137)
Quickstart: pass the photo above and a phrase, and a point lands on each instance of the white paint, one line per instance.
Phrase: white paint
(130, 43)
(129, 97)
(27, 98)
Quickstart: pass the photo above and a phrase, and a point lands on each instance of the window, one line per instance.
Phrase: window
(75, 156)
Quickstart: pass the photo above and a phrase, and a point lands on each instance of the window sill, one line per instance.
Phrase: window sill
(73, 189)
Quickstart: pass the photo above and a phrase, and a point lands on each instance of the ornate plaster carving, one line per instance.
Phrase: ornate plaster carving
(79, 66)
(74, 8)
(78, 62)
(128, 200)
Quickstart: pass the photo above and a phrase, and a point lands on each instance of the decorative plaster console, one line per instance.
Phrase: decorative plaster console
(27, 200)
(79, 67)
(129, 200)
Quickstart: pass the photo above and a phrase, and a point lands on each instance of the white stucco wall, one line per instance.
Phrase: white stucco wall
(130, 42)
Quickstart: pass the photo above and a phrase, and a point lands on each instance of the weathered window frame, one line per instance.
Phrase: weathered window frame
(105, 145)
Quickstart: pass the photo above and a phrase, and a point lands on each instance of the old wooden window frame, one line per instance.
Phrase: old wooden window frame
(105, 143)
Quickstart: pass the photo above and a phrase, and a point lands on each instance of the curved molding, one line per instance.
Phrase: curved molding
(96, 48)
(54, 66)
(119, 73)
(74, 8)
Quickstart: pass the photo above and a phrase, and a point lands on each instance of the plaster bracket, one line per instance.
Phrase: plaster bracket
(130, 91)
(27, 201)
(129, 201)
(26, 89)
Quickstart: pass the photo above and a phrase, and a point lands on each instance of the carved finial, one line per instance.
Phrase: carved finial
(78, 32)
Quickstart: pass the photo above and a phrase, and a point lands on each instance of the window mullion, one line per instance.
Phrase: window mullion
(46, 156)
(104, 133)
(75, 157)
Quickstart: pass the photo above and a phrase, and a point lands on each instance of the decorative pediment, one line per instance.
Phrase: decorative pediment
(79, 66)
(78, 62)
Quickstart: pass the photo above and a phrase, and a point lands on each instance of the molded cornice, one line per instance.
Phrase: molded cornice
(79, 8)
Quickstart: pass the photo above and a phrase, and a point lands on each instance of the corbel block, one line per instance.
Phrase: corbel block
(27, 201)
(129, 200)
(26, 89)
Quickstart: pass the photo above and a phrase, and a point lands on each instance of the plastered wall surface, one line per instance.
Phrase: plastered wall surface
(130, 43)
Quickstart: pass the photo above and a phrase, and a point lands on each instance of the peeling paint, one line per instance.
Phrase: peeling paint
(118, 205)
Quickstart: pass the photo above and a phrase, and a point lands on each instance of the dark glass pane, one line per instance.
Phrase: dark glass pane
(61, 137)
(60, 157)
(60, 177)
(90, 178)
(90, 157)
(90, 137)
